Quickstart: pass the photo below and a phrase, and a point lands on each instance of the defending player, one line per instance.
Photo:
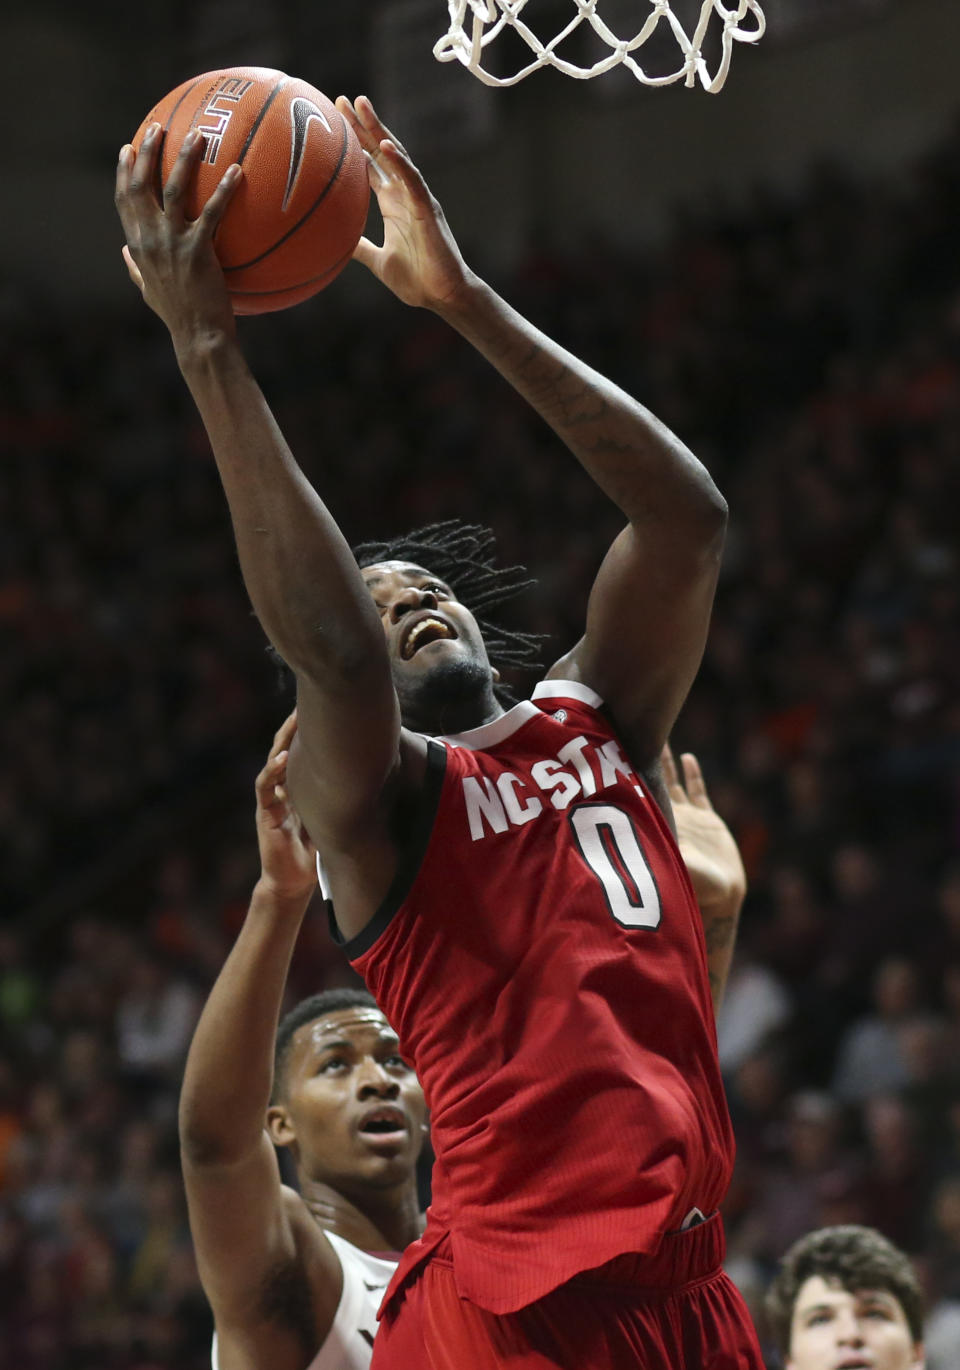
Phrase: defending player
(287, 1272)
(506, 890)
(846, 1297)
(712, 858)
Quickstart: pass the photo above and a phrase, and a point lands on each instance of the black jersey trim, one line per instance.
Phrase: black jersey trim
(411, 859)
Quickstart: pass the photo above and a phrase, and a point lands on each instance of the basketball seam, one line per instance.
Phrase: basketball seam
(158, 165)
(260, 117)
(288, 289)
(241, 266)
(253, 128)
(188, 90)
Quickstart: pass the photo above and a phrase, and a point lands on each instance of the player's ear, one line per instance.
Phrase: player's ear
(280, 1126)
(496, 675)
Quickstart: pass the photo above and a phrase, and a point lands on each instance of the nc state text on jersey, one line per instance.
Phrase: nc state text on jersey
(580, 768)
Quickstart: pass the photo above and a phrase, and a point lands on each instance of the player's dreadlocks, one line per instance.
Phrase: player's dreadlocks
(463, 555)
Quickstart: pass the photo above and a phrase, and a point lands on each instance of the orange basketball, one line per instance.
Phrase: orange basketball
(301, 206)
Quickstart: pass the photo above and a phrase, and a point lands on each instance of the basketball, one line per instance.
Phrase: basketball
(298, 213)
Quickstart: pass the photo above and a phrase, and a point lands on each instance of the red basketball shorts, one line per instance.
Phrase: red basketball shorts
(676, 1310)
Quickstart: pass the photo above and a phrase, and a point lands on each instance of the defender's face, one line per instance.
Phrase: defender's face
(354, 1108)
(834, 1329)
(426, 627)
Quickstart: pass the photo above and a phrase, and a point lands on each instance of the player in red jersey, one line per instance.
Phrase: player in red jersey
(512, 893)
(295, 1276)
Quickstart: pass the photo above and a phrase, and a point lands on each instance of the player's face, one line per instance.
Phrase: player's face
(354, 1108)
(436, 648)
(836, 1329)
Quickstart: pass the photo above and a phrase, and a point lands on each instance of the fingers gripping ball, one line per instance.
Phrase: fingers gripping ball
(299, 211)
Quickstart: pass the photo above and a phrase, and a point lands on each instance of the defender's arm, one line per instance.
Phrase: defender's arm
(713, 862)
(248, 1231)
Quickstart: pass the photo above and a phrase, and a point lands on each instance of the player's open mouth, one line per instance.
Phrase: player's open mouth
(424, 631)
(384, 1123)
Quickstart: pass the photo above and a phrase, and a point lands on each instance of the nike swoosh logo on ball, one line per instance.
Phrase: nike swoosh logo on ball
(302, 113)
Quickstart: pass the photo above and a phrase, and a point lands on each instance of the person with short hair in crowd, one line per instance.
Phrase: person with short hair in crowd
(846, 1298)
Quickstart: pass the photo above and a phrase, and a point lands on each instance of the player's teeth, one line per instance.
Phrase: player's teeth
(421, 628)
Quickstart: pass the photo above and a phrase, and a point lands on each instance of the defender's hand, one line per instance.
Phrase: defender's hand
(706, 843)
(287, 856)
(419, 260)
(171, 259)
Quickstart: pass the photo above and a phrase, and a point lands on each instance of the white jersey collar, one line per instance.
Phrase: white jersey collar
(489, 734)
(568, 689)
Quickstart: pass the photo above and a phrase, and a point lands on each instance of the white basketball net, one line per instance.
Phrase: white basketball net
(488, 18)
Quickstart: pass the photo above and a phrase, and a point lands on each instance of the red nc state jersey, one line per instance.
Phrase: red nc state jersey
(541, 957)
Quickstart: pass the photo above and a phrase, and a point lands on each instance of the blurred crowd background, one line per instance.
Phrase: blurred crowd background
(807, 347)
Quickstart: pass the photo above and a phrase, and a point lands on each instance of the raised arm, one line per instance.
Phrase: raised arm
(248, 1231)
(300, 574)
(650, 605)
(713, 861)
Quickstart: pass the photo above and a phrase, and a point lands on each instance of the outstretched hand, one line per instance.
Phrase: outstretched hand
(287, 856)
(419, 260)
(707, 845)
(170, 258)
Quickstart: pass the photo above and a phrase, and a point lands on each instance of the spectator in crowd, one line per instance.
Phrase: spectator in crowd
(155, 1018)
(813, 1165)
(845, 1296)
(895, 1184)
(755, 1006)
(871, 1056)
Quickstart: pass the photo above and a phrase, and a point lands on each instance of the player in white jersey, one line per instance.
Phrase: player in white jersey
(288, 1273)
(295, 1279)
(349, 1343)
